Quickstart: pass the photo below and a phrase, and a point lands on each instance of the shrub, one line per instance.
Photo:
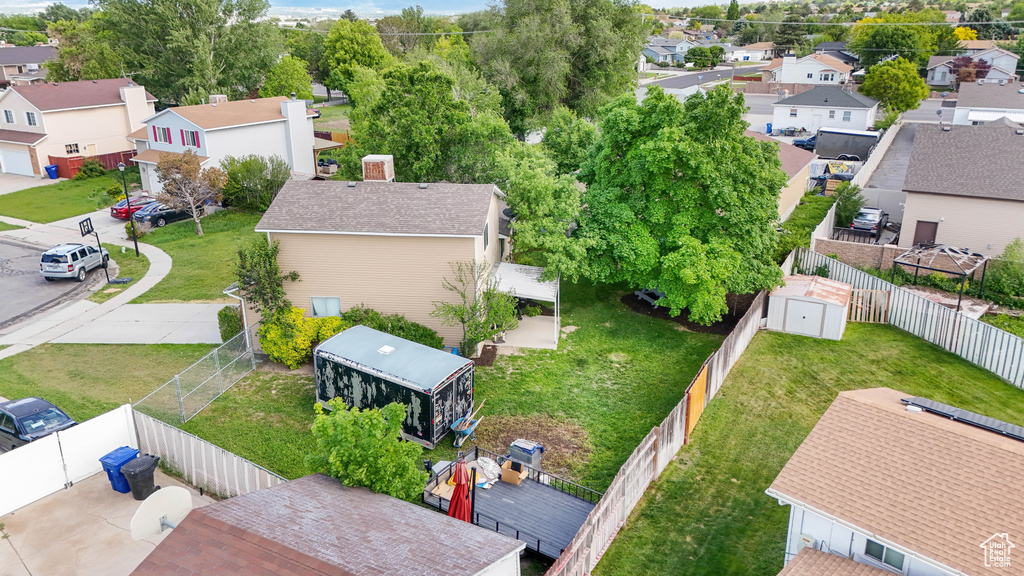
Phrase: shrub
(140, 231)
(796, 231)
(531, 311)
(229, 319)
(253, 181)
(394, 324)
(662, 64)
(115, 190)
(289, 338)
(91, 168)
(848, 203)
(1006, 273)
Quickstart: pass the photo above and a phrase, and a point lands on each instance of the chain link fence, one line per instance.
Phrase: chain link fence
(185, 395)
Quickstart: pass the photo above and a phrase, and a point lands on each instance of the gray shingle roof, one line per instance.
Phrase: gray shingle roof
(390, 208)
(841, 56)
(661, 50)
(980, 161)
(824, 46)
(26, 54)
(829, 96)
(934, 61)
(990, 95)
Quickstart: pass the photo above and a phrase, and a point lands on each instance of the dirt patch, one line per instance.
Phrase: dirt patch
(487, 355)
(566, 444)
(277, 368)
(340, 125)
(738, 306)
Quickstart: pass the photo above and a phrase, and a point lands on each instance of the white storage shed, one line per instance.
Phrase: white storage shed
(810, 306)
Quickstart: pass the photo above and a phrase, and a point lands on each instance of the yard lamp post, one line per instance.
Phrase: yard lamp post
(128, 206)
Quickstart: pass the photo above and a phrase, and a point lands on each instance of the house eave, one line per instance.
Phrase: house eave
(396, 234)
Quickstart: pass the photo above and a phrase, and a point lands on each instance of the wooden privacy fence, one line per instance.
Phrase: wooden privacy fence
(655, 452)
(982, 344)
(68, 166)
(869, 306)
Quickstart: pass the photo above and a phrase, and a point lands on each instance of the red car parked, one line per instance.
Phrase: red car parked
(120, 210)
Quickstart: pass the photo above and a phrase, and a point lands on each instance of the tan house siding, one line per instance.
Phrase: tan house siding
(979, 224)
(33, 153)
(790, 196)
(391, 274)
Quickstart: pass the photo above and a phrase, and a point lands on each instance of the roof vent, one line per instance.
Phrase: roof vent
(93, 81)
(253, 101)
(1021, 91)
(423, 186)
(1020, 132)
(946, 128)
(980, 82)
(385, 350)
(351, 184)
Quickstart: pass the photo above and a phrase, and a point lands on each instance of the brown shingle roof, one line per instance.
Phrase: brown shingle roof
(20, 137)
(793, 159)
(990, 95)
(140, 134)
(314, 525)
(390, 208)
(938, 166)
(831, 62)
(977, 44)
(759, 46)
(69, 95)
(233, 113)
(920, 481)
(811, 562)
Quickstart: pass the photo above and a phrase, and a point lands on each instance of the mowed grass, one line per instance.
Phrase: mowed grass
(52, 202)
(203, 266)
(330, 114)
(86, 380)
(4, 226)
(129, 266)
(709, 515)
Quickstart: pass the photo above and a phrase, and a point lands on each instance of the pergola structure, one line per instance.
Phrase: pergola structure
(524, 282)
(922, 257)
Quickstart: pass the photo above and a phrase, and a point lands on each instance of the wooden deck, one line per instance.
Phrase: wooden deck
(544, 517)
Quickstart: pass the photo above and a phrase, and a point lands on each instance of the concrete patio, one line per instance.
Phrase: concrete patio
(81, 531)
(533, 332)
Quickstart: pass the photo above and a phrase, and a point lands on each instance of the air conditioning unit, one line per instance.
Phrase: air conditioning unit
(806, 541)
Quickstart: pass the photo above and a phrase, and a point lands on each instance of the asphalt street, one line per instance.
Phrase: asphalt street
(694, 78)
(23, 291)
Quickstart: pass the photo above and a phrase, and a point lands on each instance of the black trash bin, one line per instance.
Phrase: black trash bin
(139, 473)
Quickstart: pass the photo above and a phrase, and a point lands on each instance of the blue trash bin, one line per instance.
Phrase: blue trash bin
(769, 128)
(51, 171)
(112, 463)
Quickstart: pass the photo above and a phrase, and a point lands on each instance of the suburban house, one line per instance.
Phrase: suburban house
(952, 16)
(826, 106)
(660, 54)
(811, 69)
(315, 526)
(904, 485)
(796, 163)
(23, 65)
(1003, 63)
(978, 103)
(679, 46)
(264, 126)
(839, 51)
(388, 245)
(61, 123)
(971, 47)
(951, 200)
(754, 52)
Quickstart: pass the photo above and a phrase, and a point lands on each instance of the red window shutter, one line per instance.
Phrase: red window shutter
(183, 143)
(154, 137)
(197, 138)
(169, 139)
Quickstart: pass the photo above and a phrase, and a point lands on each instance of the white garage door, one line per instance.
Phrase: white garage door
(16, 162)
(804, 317)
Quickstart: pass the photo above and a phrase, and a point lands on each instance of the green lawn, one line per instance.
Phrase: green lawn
(87, 380)
(1012, 324)
(129, 266)
(4, 226)
(203, 265)
(714, 492)
(52, 202)
(330, 114)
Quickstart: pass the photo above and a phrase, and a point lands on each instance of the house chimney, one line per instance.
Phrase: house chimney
(379, 168)
(218, 98)
(293, 95)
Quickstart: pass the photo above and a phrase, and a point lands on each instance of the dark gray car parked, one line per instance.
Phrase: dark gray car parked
(28, 419)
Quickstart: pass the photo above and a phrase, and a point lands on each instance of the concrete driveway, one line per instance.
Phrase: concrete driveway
(885, 187)
(24, 292)
(13, 182)
(150, 324)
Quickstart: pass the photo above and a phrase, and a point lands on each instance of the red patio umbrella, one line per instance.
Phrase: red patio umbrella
(461, 505)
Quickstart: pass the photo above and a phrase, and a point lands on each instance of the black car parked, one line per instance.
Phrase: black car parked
(159, 215)
(28, 419)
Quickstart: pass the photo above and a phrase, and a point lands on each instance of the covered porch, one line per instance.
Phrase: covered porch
(525, 282)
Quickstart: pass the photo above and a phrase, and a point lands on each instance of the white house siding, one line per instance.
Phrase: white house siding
(840, 540)
(795, 72)
(814, 117)
(979, 224)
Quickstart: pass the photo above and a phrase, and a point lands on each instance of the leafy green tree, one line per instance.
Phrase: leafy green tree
(178, 46)
(733, 13)
(309, 47)
(260, 279)
(700, 57)
(567, 140)
(350, 44)
(849, 201)
(84, 52)
(915, 43)
(58, 11)
(349, 15)
(364, 448)
(253, 181)
(680, 200)
(483, 313)
(187, 185)
(1006, 273)
(981, 14)
(1016, 12)
(896, 84)
(947, 42)
(709, 12)
(27, 38)
(791, 34)
(288, 76)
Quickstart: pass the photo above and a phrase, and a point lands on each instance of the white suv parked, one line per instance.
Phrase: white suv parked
(71, 261)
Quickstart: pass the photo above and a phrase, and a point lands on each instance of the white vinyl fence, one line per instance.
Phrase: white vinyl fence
(982, 344)
(57, 461)
(200, 463)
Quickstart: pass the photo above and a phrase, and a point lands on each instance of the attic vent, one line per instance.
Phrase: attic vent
(423, 186)
(351, 184)
(386, 350)
(946, 128)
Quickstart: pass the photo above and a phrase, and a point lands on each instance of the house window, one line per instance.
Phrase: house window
(190, 137)
(162, 135)
(942, 76)
(831, 114)
(71, 148)
(827, 76)
(810, 75)
(325, 306)
(486, 235)
(792, 112)
(846, 115)
(30, 118)
(885, 555)
(9, 116)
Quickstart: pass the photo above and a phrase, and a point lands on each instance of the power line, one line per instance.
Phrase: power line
(853, 23)
(460, 33)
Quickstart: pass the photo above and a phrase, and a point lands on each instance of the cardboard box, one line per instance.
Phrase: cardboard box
(444, 490)
(511, 476)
